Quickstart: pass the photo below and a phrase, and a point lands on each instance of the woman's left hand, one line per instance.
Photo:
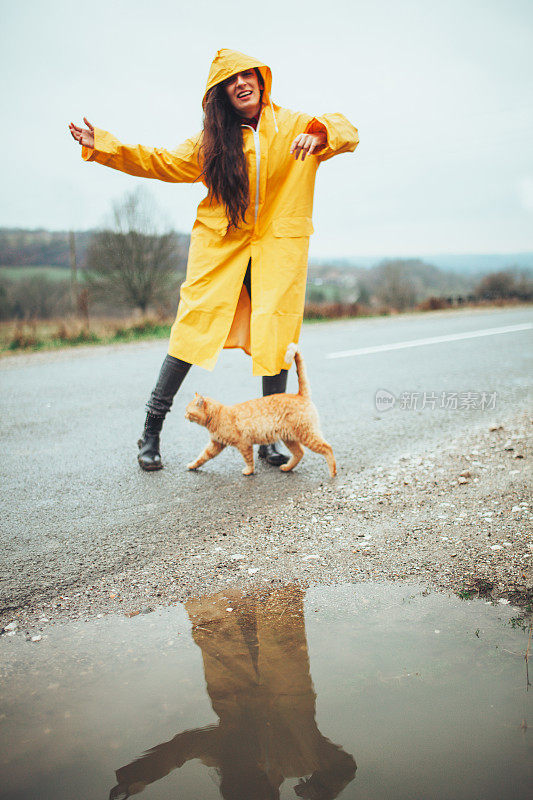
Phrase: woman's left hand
(306, 144)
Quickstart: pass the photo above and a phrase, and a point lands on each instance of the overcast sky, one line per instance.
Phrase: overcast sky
(442, 95)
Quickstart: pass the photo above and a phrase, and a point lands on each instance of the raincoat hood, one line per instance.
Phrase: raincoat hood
(228, 62)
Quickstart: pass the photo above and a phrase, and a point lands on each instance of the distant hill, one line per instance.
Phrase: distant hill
(20, 247)
(26, 248)
(392, 282)
(464, 264)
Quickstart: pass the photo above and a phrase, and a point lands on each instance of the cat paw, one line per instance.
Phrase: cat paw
(285, 468)
(248, 471)
(192, 465)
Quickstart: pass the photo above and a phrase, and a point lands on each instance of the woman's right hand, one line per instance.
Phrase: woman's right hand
(84, 136)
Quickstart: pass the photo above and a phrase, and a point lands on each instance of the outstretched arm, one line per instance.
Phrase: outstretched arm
(175, 166)
(200, 743)
(84, 136)
(341, 135)
(307, 143)
(327, 783)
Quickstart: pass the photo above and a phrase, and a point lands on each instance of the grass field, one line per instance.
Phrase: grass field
(30, 335)
(45, 270)
(24, 336)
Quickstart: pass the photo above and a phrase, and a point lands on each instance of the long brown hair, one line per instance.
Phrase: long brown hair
(222, 153)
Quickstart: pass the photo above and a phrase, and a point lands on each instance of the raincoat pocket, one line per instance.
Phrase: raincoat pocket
(214, 220)
(292, 227)
(213, 226)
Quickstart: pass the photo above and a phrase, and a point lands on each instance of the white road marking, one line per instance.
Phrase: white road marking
(450, 337)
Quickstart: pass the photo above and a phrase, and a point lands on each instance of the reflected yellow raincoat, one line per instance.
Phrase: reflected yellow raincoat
(214, 309)
(256, 668)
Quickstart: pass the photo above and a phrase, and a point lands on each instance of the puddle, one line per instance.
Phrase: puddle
(371, 691)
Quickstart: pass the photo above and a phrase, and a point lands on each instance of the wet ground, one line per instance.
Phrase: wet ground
(366, 691)
(78, 510)
(438, 494)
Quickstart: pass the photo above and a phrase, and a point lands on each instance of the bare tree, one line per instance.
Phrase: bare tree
(511, 283)
(131, 261)
(396, 287)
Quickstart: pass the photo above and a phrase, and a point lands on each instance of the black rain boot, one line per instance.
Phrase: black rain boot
(274, 384)
(171, 376)
(149, 457)
(272, 455)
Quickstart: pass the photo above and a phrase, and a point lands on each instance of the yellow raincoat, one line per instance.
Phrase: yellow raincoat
(214, 309)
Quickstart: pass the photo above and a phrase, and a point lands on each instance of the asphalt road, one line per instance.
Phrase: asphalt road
(75, 502)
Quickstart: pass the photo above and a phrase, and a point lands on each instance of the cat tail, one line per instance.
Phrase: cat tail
(293, 354)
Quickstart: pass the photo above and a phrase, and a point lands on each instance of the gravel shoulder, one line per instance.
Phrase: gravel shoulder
(456, 517)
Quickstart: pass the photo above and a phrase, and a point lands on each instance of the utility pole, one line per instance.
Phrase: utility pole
(73, 270)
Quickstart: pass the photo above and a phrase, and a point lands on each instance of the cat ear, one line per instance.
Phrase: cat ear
(199, 400)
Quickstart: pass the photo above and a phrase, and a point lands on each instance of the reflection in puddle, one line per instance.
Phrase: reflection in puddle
(256, 670)
(424, 690)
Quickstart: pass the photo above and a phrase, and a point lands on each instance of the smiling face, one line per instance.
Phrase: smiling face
(244, 93)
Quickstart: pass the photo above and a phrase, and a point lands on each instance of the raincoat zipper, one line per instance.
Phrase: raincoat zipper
(257, 146)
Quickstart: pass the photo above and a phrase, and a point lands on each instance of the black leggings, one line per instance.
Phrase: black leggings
(174, 370)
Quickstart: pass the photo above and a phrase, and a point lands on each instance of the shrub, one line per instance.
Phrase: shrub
(433, 304)
(37, 296)
(506, 285)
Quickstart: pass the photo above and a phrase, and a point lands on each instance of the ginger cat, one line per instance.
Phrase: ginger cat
(290, 417)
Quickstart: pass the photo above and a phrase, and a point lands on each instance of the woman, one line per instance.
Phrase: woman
(246, 273)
